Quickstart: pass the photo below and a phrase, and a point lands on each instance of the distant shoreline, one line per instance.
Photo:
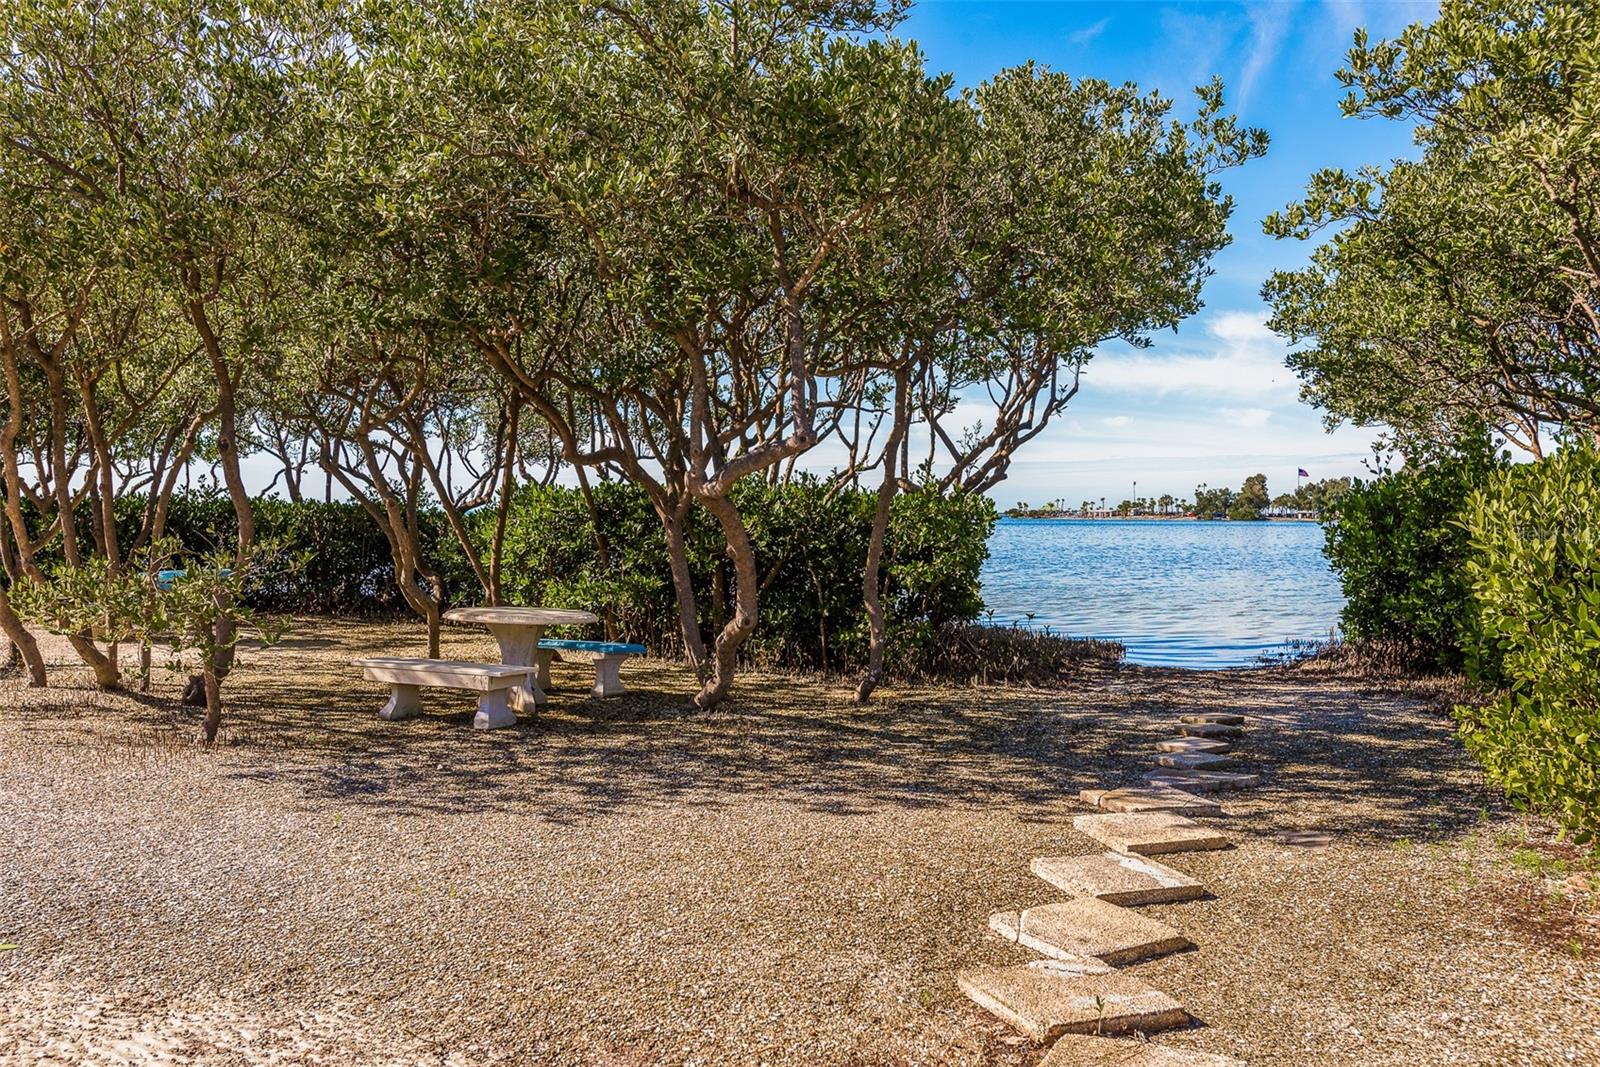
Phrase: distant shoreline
(1075, 517)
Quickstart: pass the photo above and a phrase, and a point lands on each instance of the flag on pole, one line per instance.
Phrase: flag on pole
(1304, 473)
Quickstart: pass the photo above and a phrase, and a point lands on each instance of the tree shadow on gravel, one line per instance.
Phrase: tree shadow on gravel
(1345, 756)
(1350, 759)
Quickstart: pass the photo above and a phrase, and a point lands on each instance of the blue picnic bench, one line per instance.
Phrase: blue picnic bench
(607, 655)
(164, 579)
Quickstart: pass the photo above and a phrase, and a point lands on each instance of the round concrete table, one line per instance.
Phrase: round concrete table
(518, 631)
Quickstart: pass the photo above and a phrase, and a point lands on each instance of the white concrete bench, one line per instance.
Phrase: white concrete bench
(491, 681)
(607, 656)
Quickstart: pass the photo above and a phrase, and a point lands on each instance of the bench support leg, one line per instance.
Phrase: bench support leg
(607, 676)
(405, 702)
(493, 711)
(545, 657)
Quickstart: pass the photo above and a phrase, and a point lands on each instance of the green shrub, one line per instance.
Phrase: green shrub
(1001, 655)
(1535, 576)
(1400, 551)
(810, 546)
(342, 561)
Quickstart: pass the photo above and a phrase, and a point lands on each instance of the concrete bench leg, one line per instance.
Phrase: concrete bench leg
(545, 657)
(494, 711)
(405, 702)
(607, 679)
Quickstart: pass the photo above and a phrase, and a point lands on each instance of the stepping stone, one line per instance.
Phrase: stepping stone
(1045, 1003)
(1304, 838)
(1151, 833)
(1007, 925)
(1193, 744)
(1149, 799)
(1117, 878)
(1202, 781)
(1209, 729)
(1071, 930)
(1193, 761)
(1079, 1050)
(1226, 718)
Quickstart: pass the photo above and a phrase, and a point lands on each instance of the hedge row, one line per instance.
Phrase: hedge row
(1471, 563)
(1535, 578)
(811, 547)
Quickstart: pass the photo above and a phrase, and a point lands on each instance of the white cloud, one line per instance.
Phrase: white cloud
(1243, 365)
(1089, 33)
(1252, 418)
(1118, 420)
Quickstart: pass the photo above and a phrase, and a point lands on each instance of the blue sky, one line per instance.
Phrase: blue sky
(1211, 402)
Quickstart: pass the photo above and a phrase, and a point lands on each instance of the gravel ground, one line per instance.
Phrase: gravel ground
(791, 880)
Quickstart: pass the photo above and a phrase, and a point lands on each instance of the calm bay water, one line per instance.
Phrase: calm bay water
(1176, 593)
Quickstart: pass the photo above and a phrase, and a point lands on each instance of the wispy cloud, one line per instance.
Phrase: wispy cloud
(1268, 25)
(1346, 15)
(1118, 420)
(1086, 34)
(1192, 46)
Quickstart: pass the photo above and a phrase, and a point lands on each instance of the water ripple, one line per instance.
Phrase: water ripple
(1175, 593)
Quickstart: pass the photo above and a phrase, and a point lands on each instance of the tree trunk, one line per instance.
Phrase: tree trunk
(212, 689)
(503, 512)
(602, 551)
(232, 477)
(389, 512)
(733, 634)
(24, 648)
(106, 672)
(871, 591)
(871, 596)
(694, 645)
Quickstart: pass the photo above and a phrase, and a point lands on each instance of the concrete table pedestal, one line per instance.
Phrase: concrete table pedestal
(517, 631)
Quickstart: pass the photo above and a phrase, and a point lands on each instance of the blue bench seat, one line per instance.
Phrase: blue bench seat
(607, 656)
(598, 648)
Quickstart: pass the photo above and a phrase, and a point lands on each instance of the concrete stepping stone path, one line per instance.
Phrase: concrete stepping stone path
(1202, 781)
(1193, 744)
(1045, 1003)
(1078, 1050)
(1087, 926)
(1226, 718)
(1194, 761)
(1074, 993)
(1150, 833)
(1209, 729)
(1149, 799)
(1117, 878)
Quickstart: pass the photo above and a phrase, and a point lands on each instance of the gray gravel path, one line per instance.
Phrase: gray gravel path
(790, 881)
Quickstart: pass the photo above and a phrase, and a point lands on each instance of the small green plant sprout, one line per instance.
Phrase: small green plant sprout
(1100, 1013)
(1527, 859)
(1404, 844)
(1575, 949)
